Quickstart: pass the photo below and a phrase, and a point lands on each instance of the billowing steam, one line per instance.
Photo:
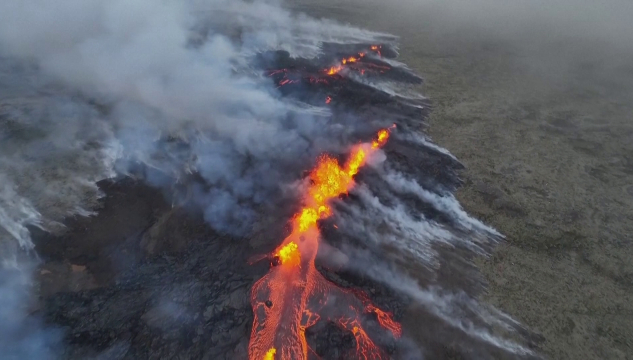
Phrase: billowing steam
(21, 336)
(162, 69)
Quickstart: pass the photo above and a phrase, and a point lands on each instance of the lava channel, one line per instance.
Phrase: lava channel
(290, 297)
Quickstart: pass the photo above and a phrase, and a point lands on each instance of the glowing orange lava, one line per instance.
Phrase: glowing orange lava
(350, 60)
(270, 354)
(333, 70)
(285, 77)
(289, 254)
(286, 300)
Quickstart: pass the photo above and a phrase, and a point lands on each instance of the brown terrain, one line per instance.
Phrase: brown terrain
(540, 113)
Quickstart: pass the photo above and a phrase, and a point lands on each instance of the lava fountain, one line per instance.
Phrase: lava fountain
(293, 294)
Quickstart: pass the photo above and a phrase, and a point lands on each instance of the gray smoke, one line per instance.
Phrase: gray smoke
(22, 336)
(457, 309)
(53, 150)
(175, 69)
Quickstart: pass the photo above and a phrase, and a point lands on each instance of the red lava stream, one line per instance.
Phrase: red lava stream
(289, 298)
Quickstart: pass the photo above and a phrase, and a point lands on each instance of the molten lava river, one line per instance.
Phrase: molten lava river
(292, 295)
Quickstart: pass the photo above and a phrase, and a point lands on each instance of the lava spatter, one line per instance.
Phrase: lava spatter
(288, 299)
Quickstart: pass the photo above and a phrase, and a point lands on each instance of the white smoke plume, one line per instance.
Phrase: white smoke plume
(176, 68)
(380, 224)
(457, 309)
(22, 336)
(445, 203)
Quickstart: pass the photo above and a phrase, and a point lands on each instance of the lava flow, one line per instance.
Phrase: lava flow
(292, 76)
(353, 59)
(350, 60)
(293, 295)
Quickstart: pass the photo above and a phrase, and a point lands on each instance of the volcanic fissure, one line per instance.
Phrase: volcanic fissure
(288, 299)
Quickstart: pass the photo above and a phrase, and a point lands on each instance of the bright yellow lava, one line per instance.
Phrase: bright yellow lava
(270, 355)
(289, 254)
(383, 135)
(329, 180)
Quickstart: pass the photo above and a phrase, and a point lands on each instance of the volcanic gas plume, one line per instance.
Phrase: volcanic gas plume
(288, 299)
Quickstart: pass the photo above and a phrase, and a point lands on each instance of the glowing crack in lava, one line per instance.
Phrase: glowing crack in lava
(289, 76)
(350, 60)
(290, 297)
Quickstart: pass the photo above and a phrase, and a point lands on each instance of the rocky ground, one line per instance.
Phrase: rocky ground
(543, 124)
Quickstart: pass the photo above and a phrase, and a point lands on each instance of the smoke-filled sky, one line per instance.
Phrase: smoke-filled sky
(554, 35)
(607, 19)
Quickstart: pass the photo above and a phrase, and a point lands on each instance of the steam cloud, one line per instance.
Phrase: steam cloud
(22, 337)
(170, 69)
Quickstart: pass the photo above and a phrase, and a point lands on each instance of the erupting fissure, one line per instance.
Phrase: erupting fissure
(353, 59)
(293, 295)
(346, 61)
(286, 76)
